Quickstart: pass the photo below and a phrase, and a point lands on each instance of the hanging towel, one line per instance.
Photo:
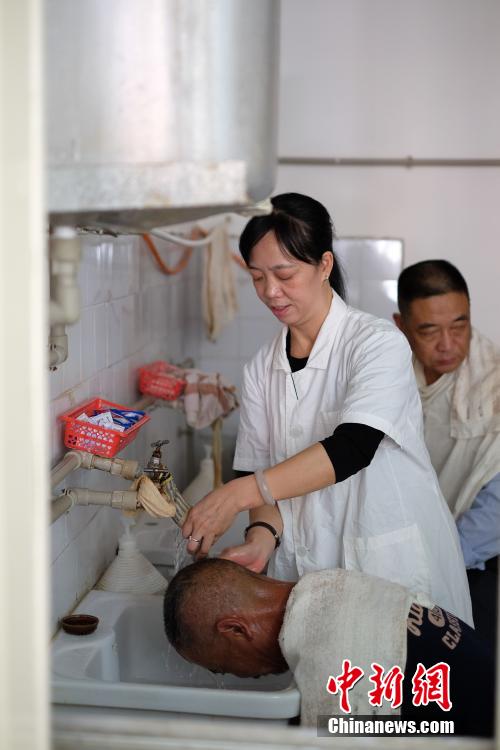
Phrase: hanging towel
(334, 615)
(207, 397)
(218, 288)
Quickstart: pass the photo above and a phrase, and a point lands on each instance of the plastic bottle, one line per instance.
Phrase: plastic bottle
(130, 572)
(203, 483)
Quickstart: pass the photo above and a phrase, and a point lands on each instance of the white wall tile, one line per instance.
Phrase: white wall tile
(192, 334)
(123, 328)
(66, 590)
(125, 263)
(81, 515)
(227, 344)
(55, 383)
(72, 368)
(106, 380)
(99, 330)
(131, 314)
(121, 390)
(59, 537)
(88, 344)
(96, 270)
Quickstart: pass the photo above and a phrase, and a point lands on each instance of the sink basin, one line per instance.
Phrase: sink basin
(128, 663)
(158, 540)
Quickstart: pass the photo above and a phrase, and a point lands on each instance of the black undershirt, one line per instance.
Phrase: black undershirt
(352, 446)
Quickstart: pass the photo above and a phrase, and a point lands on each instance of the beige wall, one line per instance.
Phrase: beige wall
(394, 78)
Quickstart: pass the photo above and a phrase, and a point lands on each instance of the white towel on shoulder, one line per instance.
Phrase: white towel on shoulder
(333, 615)
(475, 406)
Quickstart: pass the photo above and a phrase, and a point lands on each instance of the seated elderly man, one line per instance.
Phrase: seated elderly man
(458, 376)
(356, 644)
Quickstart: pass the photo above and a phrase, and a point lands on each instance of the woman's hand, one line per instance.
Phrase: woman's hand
(256, 551)
(215, 513)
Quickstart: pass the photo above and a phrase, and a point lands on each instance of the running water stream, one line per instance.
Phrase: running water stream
(173, 662)
(182, 557)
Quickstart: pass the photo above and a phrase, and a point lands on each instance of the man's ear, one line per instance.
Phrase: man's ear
(234, 627)
(398, 320)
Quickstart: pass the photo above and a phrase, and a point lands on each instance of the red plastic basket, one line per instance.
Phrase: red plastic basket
(161, 380)
(92, 438)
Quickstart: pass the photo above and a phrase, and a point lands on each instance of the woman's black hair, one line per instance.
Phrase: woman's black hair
(303, 228)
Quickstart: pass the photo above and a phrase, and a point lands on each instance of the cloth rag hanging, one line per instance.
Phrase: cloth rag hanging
(207, 397)
(154, 502)
(219, 299)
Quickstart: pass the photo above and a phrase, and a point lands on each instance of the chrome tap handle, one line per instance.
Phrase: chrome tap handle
(155, 468)
(159, 443)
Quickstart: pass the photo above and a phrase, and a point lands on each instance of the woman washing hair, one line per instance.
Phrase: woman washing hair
(331, 429)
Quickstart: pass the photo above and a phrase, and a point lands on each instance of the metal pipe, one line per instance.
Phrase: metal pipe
(407, 162)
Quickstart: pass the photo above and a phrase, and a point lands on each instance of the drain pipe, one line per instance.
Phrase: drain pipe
(64, 258)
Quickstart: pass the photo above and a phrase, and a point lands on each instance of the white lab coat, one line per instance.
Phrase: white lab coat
(389, 519)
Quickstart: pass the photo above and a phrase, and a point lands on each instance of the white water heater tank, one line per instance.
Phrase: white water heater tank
(159, 111)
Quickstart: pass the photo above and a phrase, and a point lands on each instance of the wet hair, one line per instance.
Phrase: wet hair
(196, 594)
(304, 230)
(427, 279)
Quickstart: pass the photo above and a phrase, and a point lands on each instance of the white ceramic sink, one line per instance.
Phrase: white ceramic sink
(157, 538)
(128, 663)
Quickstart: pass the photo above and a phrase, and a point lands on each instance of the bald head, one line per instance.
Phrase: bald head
(226, 618)
(202, 592)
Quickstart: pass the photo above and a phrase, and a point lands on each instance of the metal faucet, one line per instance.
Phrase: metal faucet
(163, 479)
(155, 469)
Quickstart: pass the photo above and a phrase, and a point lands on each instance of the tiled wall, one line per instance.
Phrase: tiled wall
(133, 314)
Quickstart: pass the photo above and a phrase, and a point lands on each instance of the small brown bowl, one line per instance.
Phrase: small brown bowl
(79, 624)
